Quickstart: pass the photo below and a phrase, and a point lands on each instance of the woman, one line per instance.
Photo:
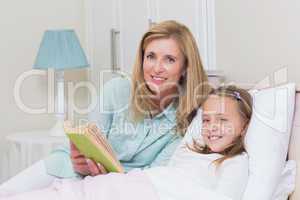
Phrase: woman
(145, 119)
(168, 83)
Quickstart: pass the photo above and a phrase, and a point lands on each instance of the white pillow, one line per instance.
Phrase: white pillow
(287, 181)
(267, 139)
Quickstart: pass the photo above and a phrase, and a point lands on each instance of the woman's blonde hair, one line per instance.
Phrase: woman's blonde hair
(193, 86)
(244, 102)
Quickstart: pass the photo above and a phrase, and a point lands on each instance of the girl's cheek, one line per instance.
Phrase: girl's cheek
(205, 131)
(229, 129)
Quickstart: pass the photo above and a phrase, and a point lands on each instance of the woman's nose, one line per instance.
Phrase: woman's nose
(158, 67)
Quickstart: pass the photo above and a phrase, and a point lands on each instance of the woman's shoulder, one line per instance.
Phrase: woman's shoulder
(118, 88)
(115, 93)
(118, 83)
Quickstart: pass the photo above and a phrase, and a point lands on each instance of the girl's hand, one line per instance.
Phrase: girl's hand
(85, 166)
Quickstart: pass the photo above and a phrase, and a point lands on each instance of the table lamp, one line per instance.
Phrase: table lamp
(60, 50)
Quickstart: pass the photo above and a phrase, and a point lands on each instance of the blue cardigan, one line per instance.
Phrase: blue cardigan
(149, 142)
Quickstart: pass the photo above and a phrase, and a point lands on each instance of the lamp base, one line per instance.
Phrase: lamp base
(58, 129)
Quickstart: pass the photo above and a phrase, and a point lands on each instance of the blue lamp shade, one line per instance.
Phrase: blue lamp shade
(61, 50)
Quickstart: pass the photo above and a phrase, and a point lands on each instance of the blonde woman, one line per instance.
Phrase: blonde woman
(168, 84)
(144, 119)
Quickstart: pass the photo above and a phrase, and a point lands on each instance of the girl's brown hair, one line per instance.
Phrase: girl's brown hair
(193, 87)
(244, 102)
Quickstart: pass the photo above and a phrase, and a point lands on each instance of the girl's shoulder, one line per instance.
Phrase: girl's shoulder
(238, 161)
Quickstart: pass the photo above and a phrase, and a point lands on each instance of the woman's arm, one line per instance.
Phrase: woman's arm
(164, 156)
(102, 115)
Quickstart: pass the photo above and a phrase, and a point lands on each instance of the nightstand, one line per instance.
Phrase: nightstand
(27, 147)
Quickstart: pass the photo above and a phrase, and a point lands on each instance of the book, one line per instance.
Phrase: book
(93, 144)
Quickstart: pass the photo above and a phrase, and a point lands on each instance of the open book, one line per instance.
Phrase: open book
(92, 143)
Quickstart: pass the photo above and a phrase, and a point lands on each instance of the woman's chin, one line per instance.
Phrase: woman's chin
(154, 88)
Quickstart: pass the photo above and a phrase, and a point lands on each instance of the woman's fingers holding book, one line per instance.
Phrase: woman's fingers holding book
(102, 168)
(74, 151)
(80, 160)
(80, 165)
(82, 169)
(95, 168)
(83, 165)
(72, 146)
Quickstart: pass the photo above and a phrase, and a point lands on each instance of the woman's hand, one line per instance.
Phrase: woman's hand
(85, 166)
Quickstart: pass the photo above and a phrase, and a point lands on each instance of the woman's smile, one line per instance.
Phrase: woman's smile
(163, 65)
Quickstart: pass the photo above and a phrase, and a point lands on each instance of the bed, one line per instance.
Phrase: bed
(294, 148)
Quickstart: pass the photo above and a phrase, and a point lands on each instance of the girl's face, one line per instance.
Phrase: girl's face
(163, 66)
(222, 122)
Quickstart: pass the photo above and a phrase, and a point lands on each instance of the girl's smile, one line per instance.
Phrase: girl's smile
(222, 123)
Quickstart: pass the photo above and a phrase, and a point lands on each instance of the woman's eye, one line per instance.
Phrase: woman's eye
(170, 60)
(150, 56)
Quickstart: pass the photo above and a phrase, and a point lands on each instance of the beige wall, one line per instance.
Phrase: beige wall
(255, 38)
(22, 24)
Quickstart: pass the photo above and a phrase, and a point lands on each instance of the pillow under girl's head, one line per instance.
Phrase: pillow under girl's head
(267, 139)
(225, 118)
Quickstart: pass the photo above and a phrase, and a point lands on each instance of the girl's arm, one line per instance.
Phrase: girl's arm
(233, 177)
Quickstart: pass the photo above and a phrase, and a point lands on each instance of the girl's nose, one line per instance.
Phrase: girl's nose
(214, 127)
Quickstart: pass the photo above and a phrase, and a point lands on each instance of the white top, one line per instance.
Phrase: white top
(195, 176)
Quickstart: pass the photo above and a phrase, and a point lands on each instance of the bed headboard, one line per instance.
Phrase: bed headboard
(294, 148)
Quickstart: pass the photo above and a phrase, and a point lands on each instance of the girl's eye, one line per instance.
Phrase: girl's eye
(205, 120)
(223, 120)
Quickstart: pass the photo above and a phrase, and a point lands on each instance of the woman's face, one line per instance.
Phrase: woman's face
(163, 66)
(222, 122)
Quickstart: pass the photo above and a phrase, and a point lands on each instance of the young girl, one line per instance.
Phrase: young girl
(213, 166)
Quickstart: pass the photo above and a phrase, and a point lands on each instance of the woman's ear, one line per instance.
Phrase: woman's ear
(182, 77)
(183, 73)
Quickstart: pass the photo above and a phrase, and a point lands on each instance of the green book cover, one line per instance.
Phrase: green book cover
(91, 149)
